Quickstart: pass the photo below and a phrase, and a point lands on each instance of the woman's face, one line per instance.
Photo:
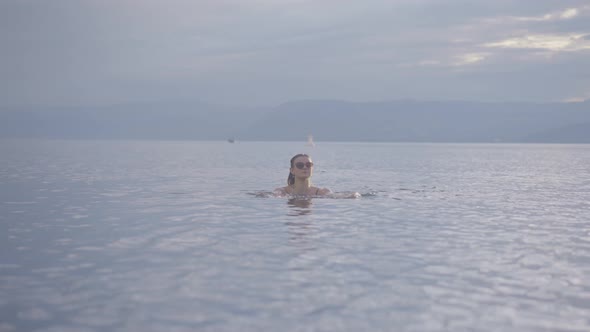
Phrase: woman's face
(302, 167)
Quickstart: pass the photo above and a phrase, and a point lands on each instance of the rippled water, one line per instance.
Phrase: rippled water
(171, 236)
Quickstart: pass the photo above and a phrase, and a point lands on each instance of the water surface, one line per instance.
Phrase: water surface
(171, 236)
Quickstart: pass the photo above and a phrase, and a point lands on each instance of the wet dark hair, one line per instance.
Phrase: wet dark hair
(291, 178)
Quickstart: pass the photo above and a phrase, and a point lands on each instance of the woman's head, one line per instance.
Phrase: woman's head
(301, 167)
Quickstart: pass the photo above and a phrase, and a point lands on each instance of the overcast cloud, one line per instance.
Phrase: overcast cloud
(263, 52)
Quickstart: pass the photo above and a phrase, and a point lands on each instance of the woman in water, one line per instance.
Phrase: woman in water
(299, 180)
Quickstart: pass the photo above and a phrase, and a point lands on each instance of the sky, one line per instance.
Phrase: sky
(267, 52)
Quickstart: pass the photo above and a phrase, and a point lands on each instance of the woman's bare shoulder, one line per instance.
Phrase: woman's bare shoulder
(324, 191)
(281, 191)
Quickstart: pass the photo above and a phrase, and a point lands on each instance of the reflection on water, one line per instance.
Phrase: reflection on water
(301, 234)
(299, 206)
(301, 231)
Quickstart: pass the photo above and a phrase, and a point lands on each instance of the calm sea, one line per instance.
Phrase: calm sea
(174, 236)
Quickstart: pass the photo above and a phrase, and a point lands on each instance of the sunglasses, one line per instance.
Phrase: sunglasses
(300, 165)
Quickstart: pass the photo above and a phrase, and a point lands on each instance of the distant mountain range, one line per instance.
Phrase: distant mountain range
(393, 121)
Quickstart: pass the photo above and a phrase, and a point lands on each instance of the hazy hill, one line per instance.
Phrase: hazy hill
(180, 120)
(417, 121)
(576, 133)
(402, 121)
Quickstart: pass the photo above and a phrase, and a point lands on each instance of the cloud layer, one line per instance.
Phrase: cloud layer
(258, 52)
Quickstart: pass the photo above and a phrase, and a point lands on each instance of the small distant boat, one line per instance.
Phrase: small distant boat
(310, 140)
(231, 140)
